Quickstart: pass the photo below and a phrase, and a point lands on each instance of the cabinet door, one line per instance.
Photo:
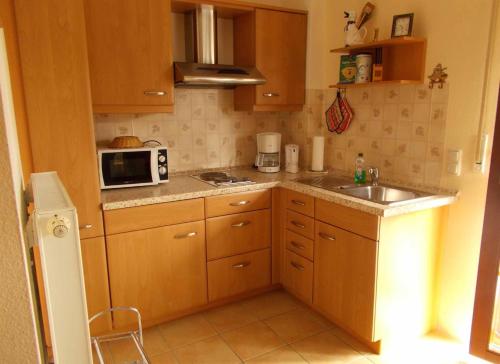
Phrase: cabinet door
(298, 276)
(280, 54)
(56, 83)
(344, 278)
(160, 271)
(129, 44)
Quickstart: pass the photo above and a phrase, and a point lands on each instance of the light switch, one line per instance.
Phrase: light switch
(454, 162)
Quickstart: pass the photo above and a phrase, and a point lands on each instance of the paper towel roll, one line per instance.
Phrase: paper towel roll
(318, 153)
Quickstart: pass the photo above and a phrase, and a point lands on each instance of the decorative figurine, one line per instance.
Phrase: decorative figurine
(438, 76)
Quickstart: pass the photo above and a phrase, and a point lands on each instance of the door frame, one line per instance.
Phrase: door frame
(489, 258)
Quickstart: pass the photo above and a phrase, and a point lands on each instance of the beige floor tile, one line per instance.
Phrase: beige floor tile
(123, 351)
(165, 358)
(186, 331)
(252, 340)
(211, 350)
(229, 317)
(271, 304)
(295, 325)
(326, 348)
(351, 341)
(285, 355)
(154, 343)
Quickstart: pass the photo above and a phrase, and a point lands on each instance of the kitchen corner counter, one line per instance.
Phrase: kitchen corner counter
(184, 187)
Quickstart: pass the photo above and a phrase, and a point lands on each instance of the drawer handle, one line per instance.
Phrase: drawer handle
(297, 202)
(326, 236)
(240, 203)
(187, 235)
(241, 265)
(270, 94)
(297, 266)
(85, 226)
(297, 245)
(155, 93)
(241, 224)
(298, 224)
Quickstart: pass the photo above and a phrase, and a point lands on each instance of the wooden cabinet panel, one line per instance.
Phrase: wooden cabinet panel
(300, 202)
(344, 278)
(299, 276)
(274, 42)
(231, 276)
(149, 216)
(130, 57)
(237, 202)
(160, 271)
(300, 224)
(239, 233)
(53, 57)
(299, 245)
(347, 218)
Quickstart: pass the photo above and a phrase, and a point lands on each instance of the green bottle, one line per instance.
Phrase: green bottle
(359, 170)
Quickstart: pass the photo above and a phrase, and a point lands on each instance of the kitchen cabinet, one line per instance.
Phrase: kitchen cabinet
(161, 271)
(345, 272)
(130, 57)
(53, 56)
(274, 42)
(298, 277)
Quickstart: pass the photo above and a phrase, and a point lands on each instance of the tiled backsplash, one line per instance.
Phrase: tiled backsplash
(399, 129)
(204, 131)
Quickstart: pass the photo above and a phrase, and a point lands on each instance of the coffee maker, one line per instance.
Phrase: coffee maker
(268, 152)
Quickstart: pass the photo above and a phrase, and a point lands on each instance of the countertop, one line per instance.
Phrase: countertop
(183, 187)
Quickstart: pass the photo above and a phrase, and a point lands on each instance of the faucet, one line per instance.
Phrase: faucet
(374, 175)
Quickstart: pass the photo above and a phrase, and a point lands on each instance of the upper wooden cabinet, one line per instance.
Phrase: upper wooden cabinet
(130, 58)
(56, 83)
(274, 42)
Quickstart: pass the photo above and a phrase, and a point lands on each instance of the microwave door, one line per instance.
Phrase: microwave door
(127, 168)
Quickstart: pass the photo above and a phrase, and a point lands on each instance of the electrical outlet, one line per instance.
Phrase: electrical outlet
(454, 162)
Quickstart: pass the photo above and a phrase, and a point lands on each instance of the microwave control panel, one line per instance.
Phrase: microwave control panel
(163, 164)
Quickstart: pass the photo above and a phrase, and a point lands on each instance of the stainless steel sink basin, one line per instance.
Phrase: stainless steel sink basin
(386, 195)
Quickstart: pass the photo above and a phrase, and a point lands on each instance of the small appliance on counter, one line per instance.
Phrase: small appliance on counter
(268, 152)
(292, 158)
(132, 167)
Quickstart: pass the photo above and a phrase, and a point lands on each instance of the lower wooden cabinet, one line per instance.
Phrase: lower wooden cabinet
(298, 276)
(344, 278)
(238, 274)
(160, 271)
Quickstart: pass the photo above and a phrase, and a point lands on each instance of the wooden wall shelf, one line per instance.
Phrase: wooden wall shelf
(403, 60)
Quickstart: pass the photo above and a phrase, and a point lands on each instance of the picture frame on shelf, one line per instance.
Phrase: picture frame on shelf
(402, 25)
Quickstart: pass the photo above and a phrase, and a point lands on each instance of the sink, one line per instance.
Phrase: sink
(385, 195)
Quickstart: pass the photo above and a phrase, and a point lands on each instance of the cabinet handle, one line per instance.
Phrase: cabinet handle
(85, 226)
(326, 236)
(297, 266)
(240, 203)
(298, 224)
(270, 94)
(297, 245)
(155, 93)
(241, 265)
(187, 235)
(297, 202)
(241, 224)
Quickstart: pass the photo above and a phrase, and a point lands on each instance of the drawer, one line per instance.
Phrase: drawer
(299, 276)
(300, 245)
(300, 224)
(239, 233)
(358, 222)
(237, 202)
(150, 216)
(299, 202)
(234, 275)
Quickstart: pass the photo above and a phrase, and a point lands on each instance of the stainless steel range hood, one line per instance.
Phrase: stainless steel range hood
(202, 69)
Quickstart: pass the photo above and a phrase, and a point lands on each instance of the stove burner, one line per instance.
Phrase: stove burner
(212, 176)
(220, 179)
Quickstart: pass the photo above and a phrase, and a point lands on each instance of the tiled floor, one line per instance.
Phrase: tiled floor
(271, 328)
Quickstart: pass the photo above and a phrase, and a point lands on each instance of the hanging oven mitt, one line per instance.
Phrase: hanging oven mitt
(333, 114)
(347, 114)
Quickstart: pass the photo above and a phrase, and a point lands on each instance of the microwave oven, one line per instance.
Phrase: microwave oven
(132, 167)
